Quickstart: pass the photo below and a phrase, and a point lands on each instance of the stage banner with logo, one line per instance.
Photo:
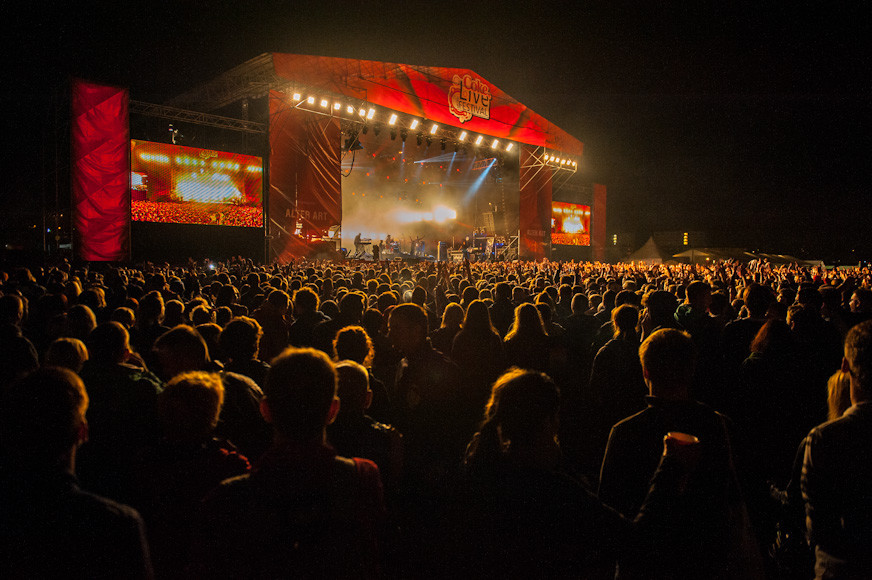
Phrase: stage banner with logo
(448, 96)
(535, 207)
(100, 138)
(305, 199)
(599, 222)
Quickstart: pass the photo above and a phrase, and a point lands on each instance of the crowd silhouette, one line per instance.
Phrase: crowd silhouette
(367, 420)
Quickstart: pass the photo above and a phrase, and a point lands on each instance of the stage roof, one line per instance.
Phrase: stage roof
(448, 96)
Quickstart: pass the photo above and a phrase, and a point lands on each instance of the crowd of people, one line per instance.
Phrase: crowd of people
(362, 419)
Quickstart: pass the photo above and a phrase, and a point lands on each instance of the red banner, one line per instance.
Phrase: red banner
(535, 207)
(305, 193)
(100, 171)
(449, 96)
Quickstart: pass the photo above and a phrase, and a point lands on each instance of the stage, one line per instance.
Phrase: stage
(437, 159)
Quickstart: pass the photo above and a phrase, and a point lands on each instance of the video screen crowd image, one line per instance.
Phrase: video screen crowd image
(570, 224)
(186, 185)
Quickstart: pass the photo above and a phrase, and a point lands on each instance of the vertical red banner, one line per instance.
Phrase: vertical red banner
(100, 171)
(598, 239)
(305, 188)
(535, 207)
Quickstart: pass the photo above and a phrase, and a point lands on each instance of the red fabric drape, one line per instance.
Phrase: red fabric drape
(100, 171)
(304, 177)
(535, 207)
(599, 222)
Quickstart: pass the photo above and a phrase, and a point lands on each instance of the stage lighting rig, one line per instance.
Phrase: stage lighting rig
(419, 139)
(393, 134)
(403, 135)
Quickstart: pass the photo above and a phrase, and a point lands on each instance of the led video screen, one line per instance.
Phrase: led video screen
(186, 185)
(570, 224)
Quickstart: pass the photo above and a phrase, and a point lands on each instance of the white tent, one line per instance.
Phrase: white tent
(649, 253)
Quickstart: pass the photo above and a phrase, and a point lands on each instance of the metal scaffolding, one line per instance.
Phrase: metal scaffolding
(196, 117)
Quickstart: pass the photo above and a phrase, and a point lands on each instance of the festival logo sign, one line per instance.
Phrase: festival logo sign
(469, 97)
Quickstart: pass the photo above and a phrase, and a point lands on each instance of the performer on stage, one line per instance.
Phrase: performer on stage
(358, 246)
(416, 244)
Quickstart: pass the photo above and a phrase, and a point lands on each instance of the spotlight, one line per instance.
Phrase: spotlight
(324, 103)
(495, 143)
(433, 129)
(479, 139)
(414, 124)
(352, 144)
(362, 112)
(311, 100)
(349, 109)
(297, 97)
(509, 146)
(337, 106)
(370, 114)
(393, 119)
(462, 136)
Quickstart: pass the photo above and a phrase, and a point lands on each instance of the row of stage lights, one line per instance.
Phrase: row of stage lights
(368, 114)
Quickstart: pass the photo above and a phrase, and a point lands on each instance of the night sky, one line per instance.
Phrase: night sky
(750, 123)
